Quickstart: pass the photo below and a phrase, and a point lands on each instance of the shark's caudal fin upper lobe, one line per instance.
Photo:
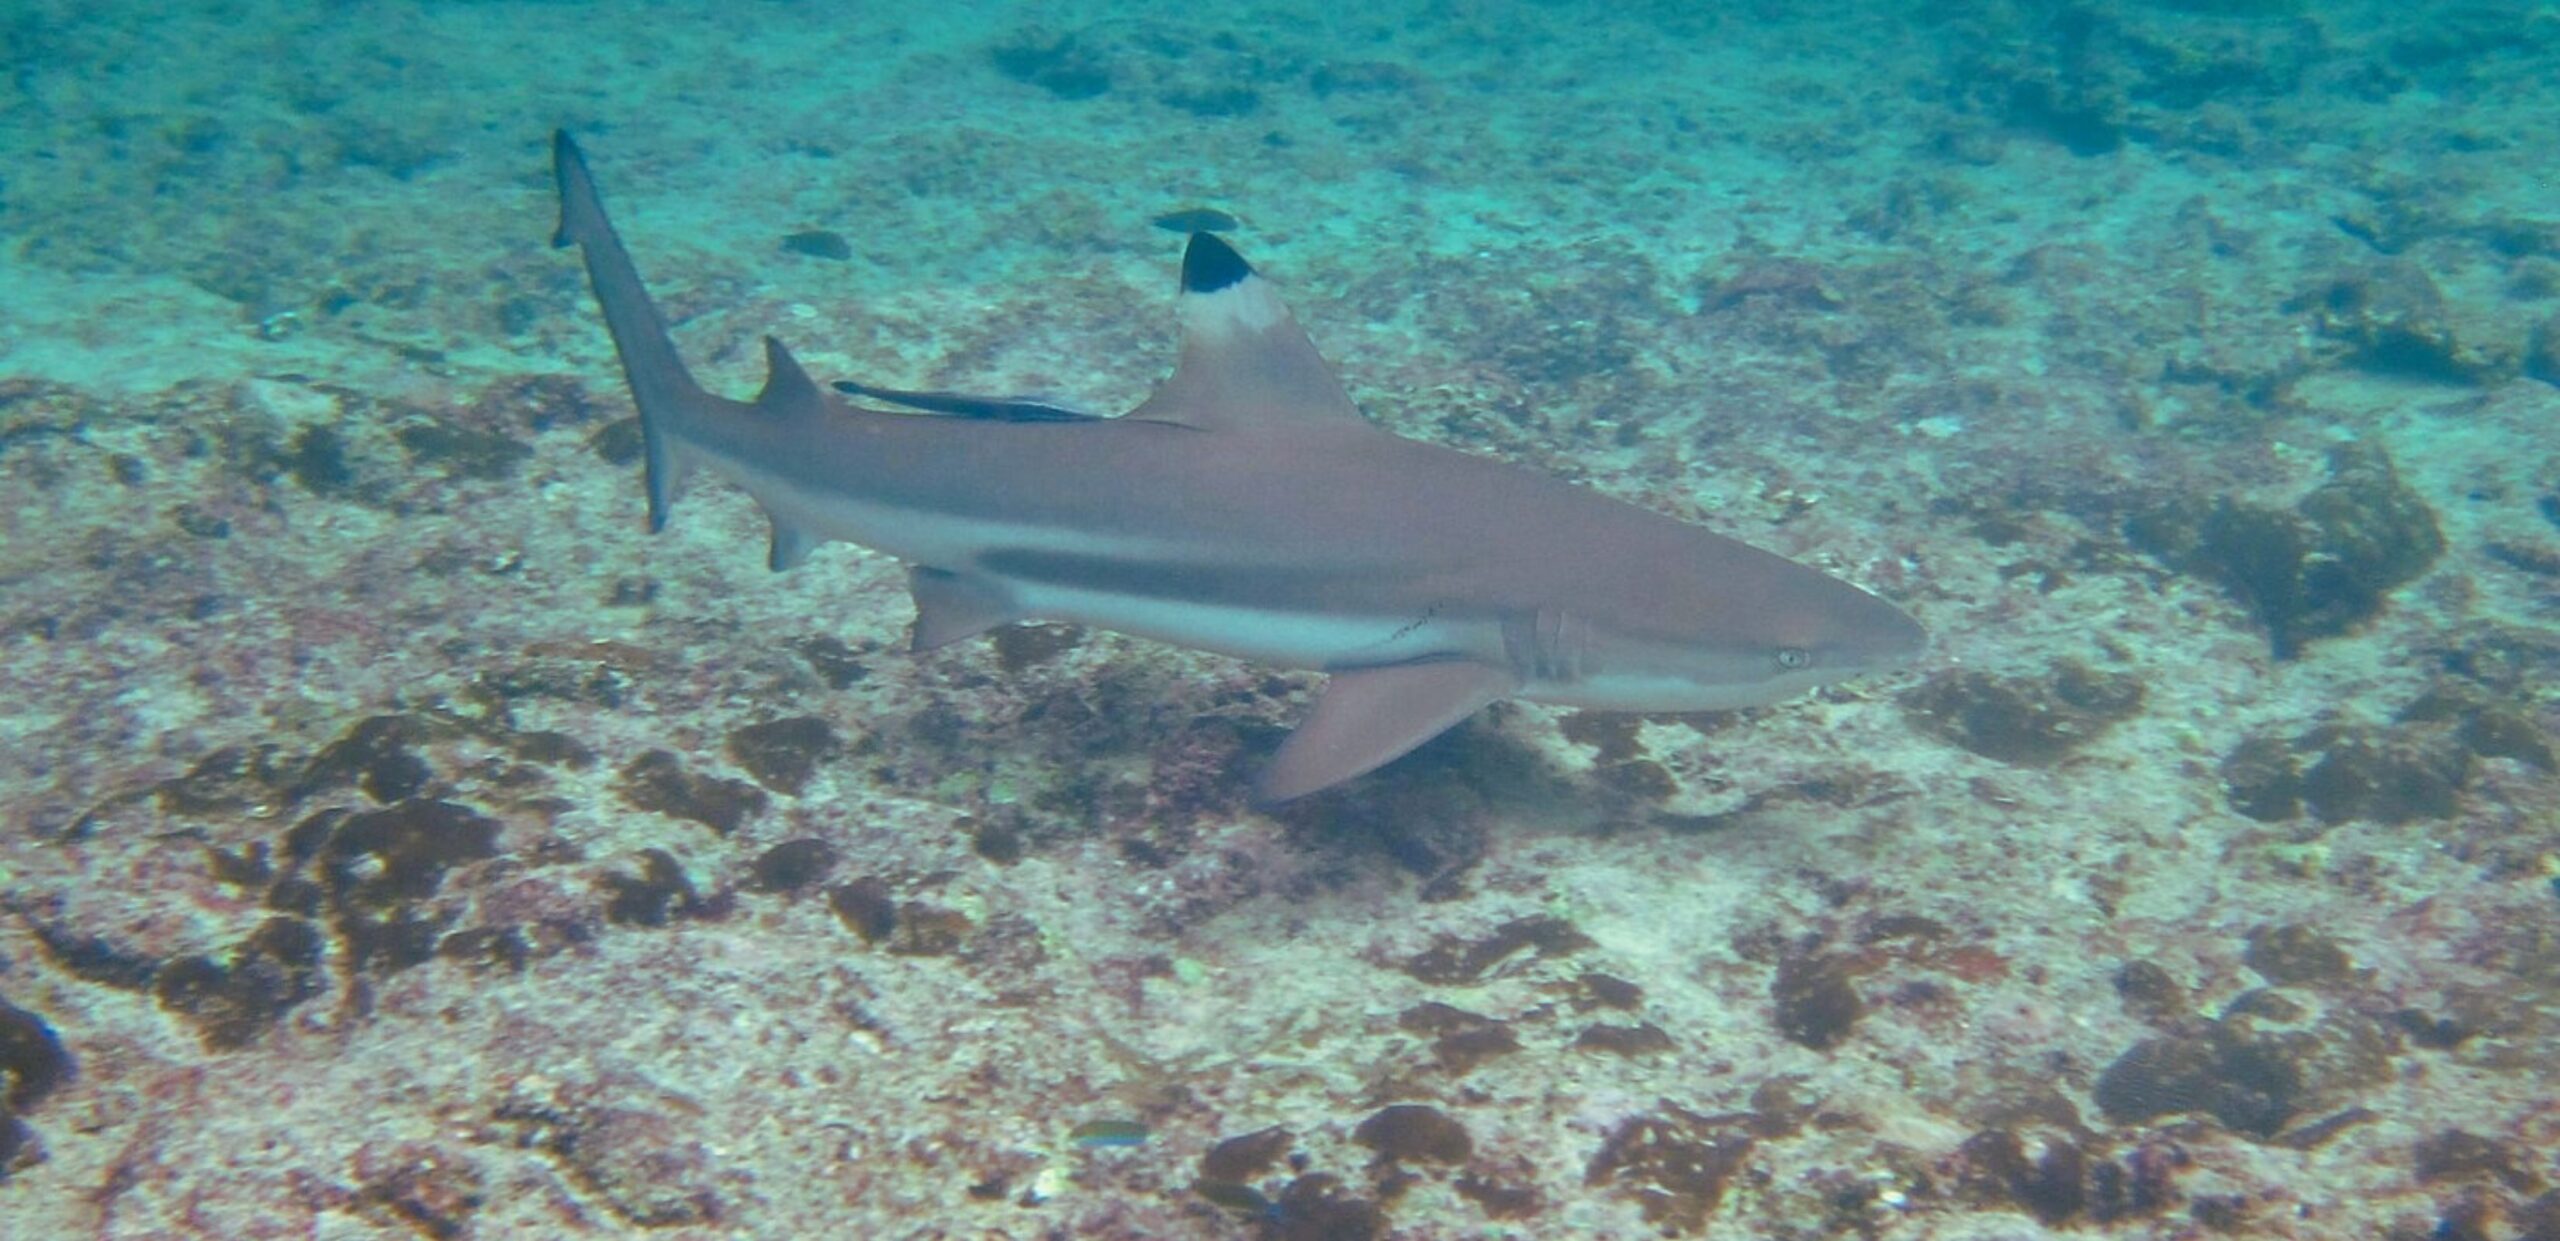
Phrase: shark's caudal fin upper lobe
(669, 400)
(660, 384)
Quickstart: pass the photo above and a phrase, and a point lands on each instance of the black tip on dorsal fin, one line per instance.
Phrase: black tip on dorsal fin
(568, 165)
(1209, 265)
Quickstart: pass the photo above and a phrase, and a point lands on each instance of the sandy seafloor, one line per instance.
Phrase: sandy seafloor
(391, 825)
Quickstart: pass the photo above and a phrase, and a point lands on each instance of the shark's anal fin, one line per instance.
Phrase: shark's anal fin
(964, 405)
(1369, 717)
(951, 607)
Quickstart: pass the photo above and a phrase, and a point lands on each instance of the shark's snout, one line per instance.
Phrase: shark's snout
(1882, 636)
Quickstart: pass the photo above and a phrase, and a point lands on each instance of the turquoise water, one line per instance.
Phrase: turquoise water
(401, 841)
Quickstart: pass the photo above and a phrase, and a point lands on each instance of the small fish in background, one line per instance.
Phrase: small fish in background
(819, 243)
(1247, 507)
(1094, 1134)
(1196, 220)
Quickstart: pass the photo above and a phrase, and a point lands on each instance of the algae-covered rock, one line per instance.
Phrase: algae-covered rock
(2388, 775)
(2030, 720)
(2413, 768)
(2292, 954)
(2262, 779)
(2265, 1061)
(2316, 570)
(2393, 321)
(2397, 774)
(2542, 352)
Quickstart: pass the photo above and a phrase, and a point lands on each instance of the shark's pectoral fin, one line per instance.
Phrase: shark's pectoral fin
(954, 606)
(1369, 717)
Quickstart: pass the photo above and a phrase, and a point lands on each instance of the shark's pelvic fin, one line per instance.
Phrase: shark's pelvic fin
(953, 607)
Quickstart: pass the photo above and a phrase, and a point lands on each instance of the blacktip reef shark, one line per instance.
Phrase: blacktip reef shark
(1247, 508)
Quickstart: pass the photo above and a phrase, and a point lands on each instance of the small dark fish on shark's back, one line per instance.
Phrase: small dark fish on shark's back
(1196, 220)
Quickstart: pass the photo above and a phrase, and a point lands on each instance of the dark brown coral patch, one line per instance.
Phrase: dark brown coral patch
(1415, 1133)
(783, 754)
(2388, 775)
(642, 1162)
(2296, 955)
(2150, 994)
(2454, 1155)
(224, 782)
(1451, 959)
(1597, 990)
(433, 1193)
(659, 894)
(34, 1064)
(400, 853)
(2489, 725)
(1815, 1003)
(462, 451)
(867, 907)
(31, 1059)
(1246, 1156)
(231, 1003)
(1461, 1039)
(1674, 1163)
(2413, 768)
(2068, 1179)
(837, 664)
(1641, 1039)
(376, 872)
(929, 930)
(2028, 720)
(870, 908)
(658, 781)
(1316, 1207)
(1021, 647)
(91, 957)
(794, 864)
(2262, 779)
(1418, 812)
(2316, 570)
(2263, 1062)
(1499, 1200)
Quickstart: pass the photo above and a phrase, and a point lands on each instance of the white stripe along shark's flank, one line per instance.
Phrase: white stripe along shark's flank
(1247, 508)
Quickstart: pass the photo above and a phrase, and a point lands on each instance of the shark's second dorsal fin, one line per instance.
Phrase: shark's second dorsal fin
(1244, 361)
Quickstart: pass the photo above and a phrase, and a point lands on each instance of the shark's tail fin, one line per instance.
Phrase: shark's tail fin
(660, 385)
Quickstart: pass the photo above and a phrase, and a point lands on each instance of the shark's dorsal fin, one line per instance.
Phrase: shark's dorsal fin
(1244, 361)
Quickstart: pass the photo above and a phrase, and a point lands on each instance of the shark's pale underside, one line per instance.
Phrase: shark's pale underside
(1248, 508)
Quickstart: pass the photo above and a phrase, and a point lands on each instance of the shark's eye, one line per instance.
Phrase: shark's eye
(1794, 657)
